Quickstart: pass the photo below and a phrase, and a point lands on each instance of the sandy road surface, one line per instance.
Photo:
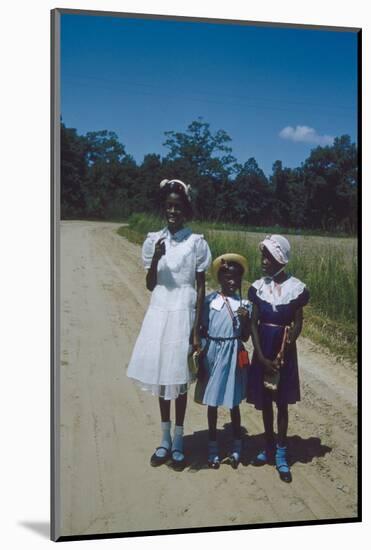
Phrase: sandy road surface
(109, 428)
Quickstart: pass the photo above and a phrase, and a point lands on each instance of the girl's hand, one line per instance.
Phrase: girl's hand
(270, 367)
(290, 340)
(290, 336)
(242, 312)
(196, 341)
(159, 249)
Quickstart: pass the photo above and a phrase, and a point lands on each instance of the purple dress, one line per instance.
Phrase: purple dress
(277, 305)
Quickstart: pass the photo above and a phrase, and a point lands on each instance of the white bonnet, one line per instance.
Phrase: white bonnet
(278, 246)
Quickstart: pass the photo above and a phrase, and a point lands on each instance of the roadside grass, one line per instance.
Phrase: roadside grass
(133, 235)
(328, 270)
(102, 219)
(144, 220)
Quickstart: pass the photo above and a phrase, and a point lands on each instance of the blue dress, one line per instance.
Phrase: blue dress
(277, 305)
(224, 382)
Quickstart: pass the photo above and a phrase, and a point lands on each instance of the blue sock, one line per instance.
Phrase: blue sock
(177, 445)
(166, 439)
(281, 459)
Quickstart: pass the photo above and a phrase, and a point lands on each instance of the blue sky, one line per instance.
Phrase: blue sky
(277, 92)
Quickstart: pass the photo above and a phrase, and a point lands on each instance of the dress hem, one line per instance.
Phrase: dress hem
(167, 392)
(281, 402)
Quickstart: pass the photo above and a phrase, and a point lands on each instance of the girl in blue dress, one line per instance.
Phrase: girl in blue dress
(223, 374)
(277, 318)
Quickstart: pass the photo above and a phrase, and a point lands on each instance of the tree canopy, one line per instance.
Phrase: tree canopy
(99, 179)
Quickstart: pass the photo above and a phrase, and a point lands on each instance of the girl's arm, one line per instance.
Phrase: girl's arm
(296, 327)
(268, 364)
(255, 333)
(151, 277)
(245, 323)
(200, 287)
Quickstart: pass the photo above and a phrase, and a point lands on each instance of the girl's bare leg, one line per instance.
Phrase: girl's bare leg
(235, 455)
(282, 424)
(180, 409)
(236, 422)
(212, 417)
(267, 454)
(164, 409)
(268, 418)
(213, 452)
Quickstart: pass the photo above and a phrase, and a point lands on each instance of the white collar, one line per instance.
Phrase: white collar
(217, 303)
(179, 236)
(278, 294)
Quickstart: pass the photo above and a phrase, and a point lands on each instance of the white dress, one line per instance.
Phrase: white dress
(159, 362)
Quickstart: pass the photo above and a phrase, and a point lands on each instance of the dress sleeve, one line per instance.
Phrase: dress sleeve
(203, 255)
(148, 249)
(303, 298)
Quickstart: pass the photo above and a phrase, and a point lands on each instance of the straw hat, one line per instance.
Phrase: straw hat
(231, 257)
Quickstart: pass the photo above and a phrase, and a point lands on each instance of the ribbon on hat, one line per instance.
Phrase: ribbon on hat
(186, 187)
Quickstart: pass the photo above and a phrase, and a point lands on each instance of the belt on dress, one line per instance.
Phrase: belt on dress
(171, 287)
(222, 339)
(273, 325)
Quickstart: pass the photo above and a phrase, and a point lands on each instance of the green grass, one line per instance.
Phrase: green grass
(328, 268)
(145, 220)
(132, 235)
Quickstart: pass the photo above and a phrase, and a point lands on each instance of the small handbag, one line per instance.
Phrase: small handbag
(194, 363)
(271, 381)
(243, 360)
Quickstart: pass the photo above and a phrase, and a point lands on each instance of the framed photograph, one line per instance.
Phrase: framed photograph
(205, 235)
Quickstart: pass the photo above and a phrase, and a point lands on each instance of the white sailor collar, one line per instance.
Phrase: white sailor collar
(278, 294)
(217, 303)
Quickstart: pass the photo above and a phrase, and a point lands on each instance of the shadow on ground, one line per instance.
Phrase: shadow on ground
(299, 449)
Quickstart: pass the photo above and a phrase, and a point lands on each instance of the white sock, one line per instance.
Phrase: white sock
(166, 439)
(178, 443)
(236, 449)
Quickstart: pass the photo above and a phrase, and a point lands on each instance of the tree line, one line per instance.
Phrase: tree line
(100, 180)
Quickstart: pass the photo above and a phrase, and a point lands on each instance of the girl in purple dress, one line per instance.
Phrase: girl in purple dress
(277, 318)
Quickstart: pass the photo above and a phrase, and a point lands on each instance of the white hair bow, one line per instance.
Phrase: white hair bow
(186, 187)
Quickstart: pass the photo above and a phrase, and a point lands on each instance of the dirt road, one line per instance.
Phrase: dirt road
(109, 427)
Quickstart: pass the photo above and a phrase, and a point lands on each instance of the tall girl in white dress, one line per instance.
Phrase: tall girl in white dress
(176, 260)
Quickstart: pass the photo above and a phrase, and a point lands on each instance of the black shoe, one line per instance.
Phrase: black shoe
(285, 476)
(159, 460)
(232, 460)
(177, 465)
(214, 464)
